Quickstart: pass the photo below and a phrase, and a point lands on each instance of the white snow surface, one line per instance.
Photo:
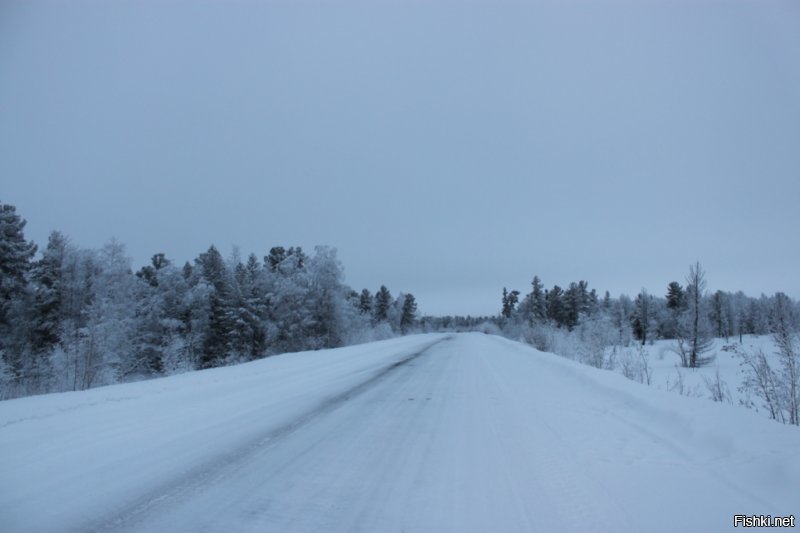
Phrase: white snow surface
(459, 432)
(666, 369)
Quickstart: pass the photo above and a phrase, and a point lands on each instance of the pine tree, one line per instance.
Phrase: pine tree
(509, 300)
(675, 305)
(217, 344)
(15, 264)
(409, 314)
(46, 277)
(574, 298)
(276, 256)
(253, 309)
(606, 301)
(383, 301)
(149, 272)
(149, 335)
(675, 297)
(538, 304)
(555, 305)
(365, 301)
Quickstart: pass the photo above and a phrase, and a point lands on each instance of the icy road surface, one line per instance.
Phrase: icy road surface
(437, 433)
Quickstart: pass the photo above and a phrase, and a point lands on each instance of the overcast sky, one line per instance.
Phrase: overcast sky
(445, 148)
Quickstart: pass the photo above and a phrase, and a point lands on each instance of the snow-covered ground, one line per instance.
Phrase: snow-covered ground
(466, 432)
(725, 370)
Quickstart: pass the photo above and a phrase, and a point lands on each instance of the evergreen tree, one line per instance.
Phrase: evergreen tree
(675, 305)
(15, 263)
(365, 302)
(538, 303)
(217, 345)
(555, 305)
(409, 315)
(641, 320)
(254, 309)
(149, 338)
(276, 256)
(290, 295)
(383, 301)
(246, 336)
(575, 303)
(46, 276)
(675, 297)
(720, 314)
(149, 272)
(592, 303)
(188, 271)
(509, 300)
(606, 301)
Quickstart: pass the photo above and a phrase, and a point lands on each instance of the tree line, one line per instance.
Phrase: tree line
(576, 323)
(685, 313)
(73, 318)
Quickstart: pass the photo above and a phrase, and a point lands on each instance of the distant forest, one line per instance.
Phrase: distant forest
(686, 313)
(72, 318)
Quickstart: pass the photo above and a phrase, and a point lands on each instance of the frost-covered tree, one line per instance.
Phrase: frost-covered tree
(80, 318)
(538, 303)
(784, 333)
(247, 337)
(675, 305)
(776, 381)
(643, 314)
(159, 345)
(111, 318)
(47, 286)
(739, 304)
(621, 310)
(577, 302)
(720, 314)
(98, 317)
(694, 336)
(217, 344)
(288, 287)
(595, 334)
(252, 309)
(509, 301)
(78, 273)
(327, 298)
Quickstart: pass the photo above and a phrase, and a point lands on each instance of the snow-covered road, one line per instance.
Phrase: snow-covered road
(463, 432)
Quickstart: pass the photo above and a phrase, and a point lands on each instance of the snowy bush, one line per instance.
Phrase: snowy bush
(634, 364)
